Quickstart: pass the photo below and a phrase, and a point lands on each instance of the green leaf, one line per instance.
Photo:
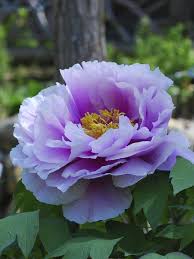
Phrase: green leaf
(23, 227)
(133, 241)
(184, 232)
(188, 235)
(53, 232)
(171, 232)
(174, 255)
(24, 199)
(83, 247)
(98, 226)
(152, 256)
(182, 175)
(151, 195)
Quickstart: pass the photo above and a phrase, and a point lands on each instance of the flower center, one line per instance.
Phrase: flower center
(95, 124)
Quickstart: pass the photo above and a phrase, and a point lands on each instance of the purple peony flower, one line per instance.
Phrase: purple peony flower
(82, 144)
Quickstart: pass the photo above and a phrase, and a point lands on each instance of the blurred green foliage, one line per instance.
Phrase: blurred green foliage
(14, 86)
(17, 23)
(4, 57)
(12, 96)
(173, 53)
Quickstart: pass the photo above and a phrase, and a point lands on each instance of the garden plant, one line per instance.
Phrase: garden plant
(102, 176)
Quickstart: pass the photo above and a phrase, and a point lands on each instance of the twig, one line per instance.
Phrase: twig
(119, 28)
(132, 6)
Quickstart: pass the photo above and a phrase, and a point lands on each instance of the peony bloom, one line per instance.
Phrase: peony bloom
(82, 144)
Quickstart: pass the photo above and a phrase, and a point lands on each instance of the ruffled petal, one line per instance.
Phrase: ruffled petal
(113, 85)
(51, 195)
(101, 201)
(126, 180)
(114, 139)
(155, 108)
(130, 172)
(89, 168)
(181, 145)
(77, 140)
(137, 148)
(17, 156)
(66, 177)
(24, 127)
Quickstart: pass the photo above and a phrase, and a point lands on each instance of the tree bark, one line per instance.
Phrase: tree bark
(79, 33)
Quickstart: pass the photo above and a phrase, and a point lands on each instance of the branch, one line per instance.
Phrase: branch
(155, 6)
(132, 6)
(39, 54)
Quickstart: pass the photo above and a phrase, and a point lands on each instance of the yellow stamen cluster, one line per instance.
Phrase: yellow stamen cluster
(95, 124)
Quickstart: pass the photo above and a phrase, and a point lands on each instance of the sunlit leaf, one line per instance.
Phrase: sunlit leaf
(83, 247)
(171, 232)
(22, 227)
(182, 175)
(174, 255)
(53, 232)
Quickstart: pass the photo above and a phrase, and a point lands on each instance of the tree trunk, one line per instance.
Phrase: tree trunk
(78, 31)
